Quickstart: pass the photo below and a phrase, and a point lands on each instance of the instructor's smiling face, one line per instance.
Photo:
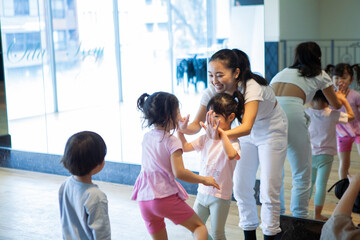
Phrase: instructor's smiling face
(222, 78)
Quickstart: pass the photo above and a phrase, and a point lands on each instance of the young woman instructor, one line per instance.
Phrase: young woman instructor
(263, 141)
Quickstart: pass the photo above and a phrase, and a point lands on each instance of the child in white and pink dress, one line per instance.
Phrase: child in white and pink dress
(347, 133)
(322, 131)
(158, 193)
(218, 159)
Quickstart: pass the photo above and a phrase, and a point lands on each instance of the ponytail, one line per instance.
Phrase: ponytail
(160, 108)
(239, 98)
(245, 70)
(141, 101)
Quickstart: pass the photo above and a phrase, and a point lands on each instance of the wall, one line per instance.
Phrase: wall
(312, 19)
(299, 19)
(339, 19)
(272, 24)
(247, 33)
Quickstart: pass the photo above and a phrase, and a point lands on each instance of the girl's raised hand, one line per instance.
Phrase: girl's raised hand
(210, 181)
(183, 123)
(212, 126)
(341, 96)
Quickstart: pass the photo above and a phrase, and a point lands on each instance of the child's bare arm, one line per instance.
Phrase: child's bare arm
(187, 147)
(186, 175)
(228, 147)
(344, 101)
(349, 111)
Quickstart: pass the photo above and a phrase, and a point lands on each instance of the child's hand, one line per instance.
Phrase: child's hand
(341, 96)
(210, 181)
(183, 123)
(211, 127)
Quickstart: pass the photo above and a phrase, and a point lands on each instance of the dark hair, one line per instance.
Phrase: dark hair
(225, 104)
(320, 97)
(160, 108)
(341, 68)
(308, 59)
(329, 69)
(234, 59)
(83, 152)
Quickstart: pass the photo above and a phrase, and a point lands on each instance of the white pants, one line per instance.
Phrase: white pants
(266, 145)
(299, 155)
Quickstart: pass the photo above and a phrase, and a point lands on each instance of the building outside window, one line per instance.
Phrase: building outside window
(21, 7)
(58, 8)
(60, 40)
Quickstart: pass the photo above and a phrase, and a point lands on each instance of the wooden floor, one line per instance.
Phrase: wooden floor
(29, 207)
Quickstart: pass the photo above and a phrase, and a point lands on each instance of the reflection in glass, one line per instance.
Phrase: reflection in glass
(23, 51)
(81, 66)
(86, 76)
(145, 63)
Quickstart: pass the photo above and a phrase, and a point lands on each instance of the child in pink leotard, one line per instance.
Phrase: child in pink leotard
(348, 133)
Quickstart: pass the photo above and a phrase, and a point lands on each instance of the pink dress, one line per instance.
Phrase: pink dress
(156, 179)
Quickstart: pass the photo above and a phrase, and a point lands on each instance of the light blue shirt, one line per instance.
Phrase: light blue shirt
(83, 211)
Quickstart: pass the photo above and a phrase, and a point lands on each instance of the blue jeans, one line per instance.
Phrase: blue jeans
(206, 205)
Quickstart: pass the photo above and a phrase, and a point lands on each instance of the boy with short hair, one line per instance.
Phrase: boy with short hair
(83, 206)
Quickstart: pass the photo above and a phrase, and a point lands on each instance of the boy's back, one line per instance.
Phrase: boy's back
(83, 211)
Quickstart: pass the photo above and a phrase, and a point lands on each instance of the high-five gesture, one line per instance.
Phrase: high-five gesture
(212, 126)
(183, 123)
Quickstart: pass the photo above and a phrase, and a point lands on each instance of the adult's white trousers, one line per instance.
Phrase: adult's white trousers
(265, 146)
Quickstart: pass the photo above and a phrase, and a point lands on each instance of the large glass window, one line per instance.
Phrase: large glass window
(85, 68)
(86, 88)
